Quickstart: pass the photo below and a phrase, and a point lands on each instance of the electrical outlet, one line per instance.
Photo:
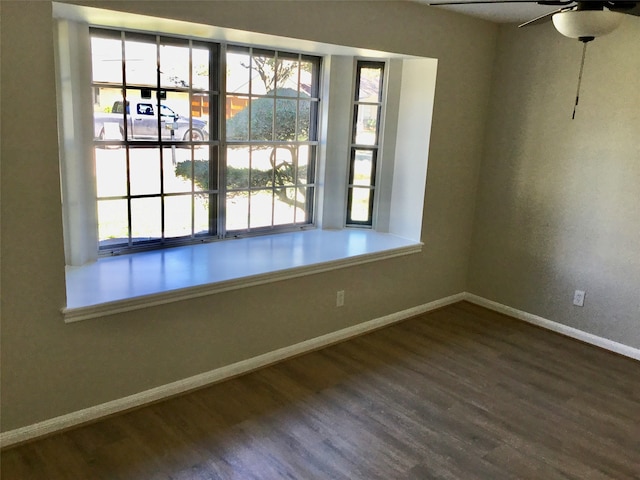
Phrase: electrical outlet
(578, 298)
(340, 298)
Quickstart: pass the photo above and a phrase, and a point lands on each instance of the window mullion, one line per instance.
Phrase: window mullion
(217, 86)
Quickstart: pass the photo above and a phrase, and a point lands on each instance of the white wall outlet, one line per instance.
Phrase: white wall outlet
(578, 298)
(340, 298)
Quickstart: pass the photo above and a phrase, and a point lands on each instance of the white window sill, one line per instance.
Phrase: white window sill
(130, 282)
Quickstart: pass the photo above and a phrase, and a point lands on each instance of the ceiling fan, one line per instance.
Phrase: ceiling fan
(584, 20)
(574, 19)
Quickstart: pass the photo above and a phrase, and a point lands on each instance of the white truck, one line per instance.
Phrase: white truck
(142, 123)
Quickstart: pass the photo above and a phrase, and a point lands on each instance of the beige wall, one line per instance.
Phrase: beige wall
(50, 368)
(559, 199)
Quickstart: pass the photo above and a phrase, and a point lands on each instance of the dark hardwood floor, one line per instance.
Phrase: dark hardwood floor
(459, 393)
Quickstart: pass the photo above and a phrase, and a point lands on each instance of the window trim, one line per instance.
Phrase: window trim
(409, 111)
(159, 277)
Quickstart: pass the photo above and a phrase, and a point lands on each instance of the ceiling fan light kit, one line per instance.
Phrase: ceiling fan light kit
(583, 20)
(586, 25)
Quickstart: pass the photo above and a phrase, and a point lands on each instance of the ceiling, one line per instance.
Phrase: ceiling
(519, 12)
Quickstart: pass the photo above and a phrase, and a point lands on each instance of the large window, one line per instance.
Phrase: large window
(365, 142)
(164, 172)
(195, 140)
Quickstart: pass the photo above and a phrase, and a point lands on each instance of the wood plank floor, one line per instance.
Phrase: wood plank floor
(459, 393)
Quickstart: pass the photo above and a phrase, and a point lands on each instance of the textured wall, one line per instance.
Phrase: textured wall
(559, 199)
(50, 368)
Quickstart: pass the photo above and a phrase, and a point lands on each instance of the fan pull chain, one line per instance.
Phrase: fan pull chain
(584, 52)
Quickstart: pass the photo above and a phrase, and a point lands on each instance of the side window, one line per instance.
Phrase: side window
(167, 112)
(365, 143)
(145, 109)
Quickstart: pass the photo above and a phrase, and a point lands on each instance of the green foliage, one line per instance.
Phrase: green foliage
(237, 178)
(201, 172)
(282, 175)
(262, 128)
(262, 111)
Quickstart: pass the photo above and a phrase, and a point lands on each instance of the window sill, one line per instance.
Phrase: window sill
(130, 282)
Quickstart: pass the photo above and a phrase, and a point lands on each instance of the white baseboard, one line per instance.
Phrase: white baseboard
(90, 414)
(583, 336)
(97, 412)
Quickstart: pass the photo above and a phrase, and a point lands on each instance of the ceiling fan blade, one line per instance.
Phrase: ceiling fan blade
(542, 18)
(630, 8)
(489, 2)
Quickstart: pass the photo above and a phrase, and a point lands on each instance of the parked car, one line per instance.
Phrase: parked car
(143, 124)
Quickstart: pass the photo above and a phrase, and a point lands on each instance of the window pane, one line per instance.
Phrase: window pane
(261, 167)
(200, 110)
(262, 119)
(238, 162)
(108, 113)
(287, 75)
(366, 124)
(286, 114)
(202, 205)
(313, 121)
(141, 62)
(175, 111)
(370, 88)
(178, 174)
(304, 120)
(261, 209)
(112, 222)
(106, 60)
(238, 71)
(363, 168)
(177, 216)
(177, 169)
(142, 115)
(200, 65)
(237, 207)
(304, 152)
(145, 219)
(284, 206)
(263, 74)
(144, 171)
(111, 172)
(205, 179)
(237, 115)
(359, 211)
(284, 166)
(308, 77)
(304, 197)
(174, 66)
